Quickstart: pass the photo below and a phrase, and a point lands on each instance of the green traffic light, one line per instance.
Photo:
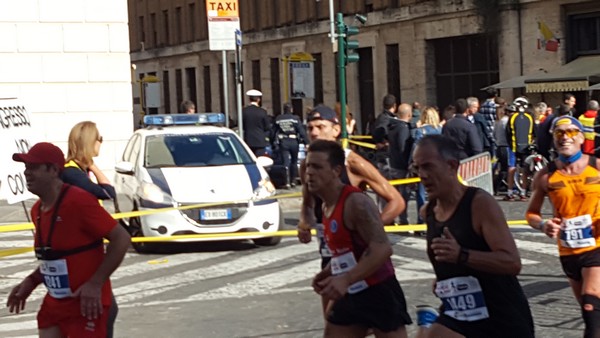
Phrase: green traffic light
(351, 30)
(350, 58)
(351, 44)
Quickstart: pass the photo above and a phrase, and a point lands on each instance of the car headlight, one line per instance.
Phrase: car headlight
(150, 192)
(265, 189)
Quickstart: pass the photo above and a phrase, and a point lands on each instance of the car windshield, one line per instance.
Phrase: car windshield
(198, 150)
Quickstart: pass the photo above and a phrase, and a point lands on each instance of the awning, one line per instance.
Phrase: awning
(594, 87)
(573, 76)
(515, 82)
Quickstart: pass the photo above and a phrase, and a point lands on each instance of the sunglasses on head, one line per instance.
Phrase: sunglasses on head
(100, 139)
(560, 133)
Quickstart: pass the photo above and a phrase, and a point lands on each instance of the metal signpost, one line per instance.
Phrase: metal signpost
(223, 20)
(239, 79)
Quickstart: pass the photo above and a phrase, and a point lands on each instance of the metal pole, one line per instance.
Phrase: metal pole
(331, 22)
(27, 214)
(225, 87)
(342, 75)
(238, 86)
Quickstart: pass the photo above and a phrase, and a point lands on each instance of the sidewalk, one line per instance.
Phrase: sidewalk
(14, 213)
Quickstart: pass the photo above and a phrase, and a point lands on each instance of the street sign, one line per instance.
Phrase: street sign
(223, 21)
(302, 75)
(16, 136)
(238, 38)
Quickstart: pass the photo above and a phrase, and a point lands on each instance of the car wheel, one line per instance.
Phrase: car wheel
(271, 241)
(135, 230)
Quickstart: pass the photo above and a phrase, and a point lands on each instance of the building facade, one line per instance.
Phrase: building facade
(69, 61)
(430, 51)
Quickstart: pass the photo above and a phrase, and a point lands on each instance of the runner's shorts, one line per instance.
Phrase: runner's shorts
(73, 324)
(573, 264)
(381, 307)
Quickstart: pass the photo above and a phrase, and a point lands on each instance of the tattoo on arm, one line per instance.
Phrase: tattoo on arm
(361, 215)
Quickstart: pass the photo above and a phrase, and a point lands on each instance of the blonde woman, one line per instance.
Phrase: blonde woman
(429, 125)
(84, 145)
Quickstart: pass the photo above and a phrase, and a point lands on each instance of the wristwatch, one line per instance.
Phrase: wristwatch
(463, 256)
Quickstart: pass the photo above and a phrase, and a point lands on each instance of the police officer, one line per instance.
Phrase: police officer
(288, 133)
(256, 124)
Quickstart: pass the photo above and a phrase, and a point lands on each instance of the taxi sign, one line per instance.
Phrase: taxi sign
(222, 8)
(184, 119)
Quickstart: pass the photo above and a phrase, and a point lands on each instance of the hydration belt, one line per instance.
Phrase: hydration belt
(45, 252)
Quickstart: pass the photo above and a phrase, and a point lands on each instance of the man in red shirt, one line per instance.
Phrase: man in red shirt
(70, 227)
(360, 277)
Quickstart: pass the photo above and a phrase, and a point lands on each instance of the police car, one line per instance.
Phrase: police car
(185, 160)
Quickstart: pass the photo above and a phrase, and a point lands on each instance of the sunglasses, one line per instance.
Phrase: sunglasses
(100, 139)
(560, 133)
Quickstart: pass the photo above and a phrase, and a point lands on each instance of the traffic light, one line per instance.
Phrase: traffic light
(346, 46)
(350, 46)
(346, 55)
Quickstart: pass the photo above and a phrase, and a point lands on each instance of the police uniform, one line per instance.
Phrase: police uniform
(288, 133)
(256, 125)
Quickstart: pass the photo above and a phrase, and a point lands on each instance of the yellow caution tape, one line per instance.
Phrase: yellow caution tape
(14, 251)
(158, 261)
(16, 227)
(363, 144)
(282, 233)
(360, 137)
(405, 181)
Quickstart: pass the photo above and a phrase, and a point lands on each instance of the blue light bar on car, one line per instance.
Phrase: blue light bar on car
(184, 119)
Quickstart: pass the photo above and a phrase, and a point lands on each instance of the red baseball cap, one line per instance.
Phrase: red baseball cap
(42, 153)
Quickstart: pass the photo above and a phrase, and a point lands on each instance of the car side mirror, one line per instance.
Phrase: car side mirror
(264, 161)
(125, 168)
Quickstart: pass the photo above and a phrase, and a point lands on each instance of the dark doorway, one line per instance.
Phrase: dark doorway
(190, 74)
(365, 86)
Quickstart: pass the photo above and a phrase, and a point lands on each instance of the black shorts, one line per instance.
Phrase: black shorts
(489, 328)
(573, 264)
(380, 307)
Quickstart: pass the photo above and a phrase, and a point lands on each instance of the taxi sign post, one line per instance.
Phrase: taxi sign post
(239, 79)
(223, 20)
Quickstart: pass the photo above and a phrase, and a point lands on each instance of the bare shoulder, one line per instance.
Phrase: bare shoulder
(355, 161)
(360, 209)
(540, 179)
(362, 168)
(359, 200)
(483, 201)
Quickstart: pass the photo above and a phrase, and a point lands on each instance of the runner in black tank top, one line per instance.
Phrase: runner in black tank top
(472, 250)
(507, 306)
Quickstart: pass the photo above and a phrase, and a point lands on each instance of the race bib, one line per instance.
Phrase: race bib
(342, 264)
(56, 278)
(463, 299)
(577, 232)
(323, 248)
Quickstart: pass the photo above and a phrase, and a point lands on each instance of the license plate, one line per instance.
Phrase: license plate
(215, 214)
